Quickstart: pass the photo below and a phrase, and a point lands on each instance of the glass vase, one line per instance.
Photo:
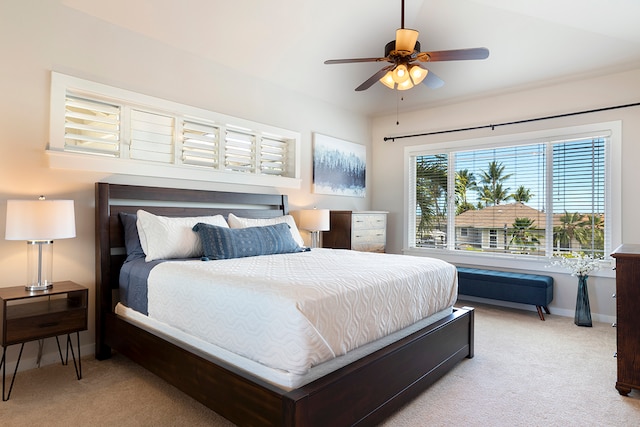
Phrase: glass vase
(583, 310)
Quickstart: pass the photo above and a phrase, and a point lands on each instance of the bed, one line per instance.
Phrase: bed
(364, 390)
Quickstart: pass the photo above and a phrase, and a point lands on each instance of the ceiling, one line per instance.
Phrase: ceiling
(285, 42)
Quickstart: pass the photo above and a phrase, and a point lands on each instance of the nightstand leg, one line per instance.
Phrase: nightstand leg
(64, 362)
(4, 368)
(77, 365)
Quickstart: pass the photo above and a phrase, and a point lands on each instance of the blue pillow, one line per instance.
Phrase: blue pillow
(226, 243)
(131, 238)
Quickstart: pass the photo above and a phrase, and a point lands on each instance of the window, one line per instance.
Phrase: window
(119, 131)
(516, 196)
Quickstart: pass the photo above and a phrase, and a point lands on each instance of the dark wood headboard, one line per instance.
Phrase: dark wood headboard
(111, 199)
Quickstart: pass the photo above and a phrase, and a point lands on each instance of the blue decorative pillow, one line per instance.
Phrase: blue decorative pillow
(226, 243)
(131, 238)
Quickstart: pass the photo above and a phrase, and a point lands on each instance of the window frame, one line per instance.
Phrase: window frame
(613, 176)
(62, 84)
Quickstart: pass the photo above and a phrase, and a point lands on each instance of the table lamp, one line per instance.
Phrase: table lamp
(39, 222)
(314, 221)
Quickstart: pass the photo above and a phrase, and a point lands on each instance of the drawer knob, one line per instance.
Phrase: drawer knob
(614, 325)
(613, 296)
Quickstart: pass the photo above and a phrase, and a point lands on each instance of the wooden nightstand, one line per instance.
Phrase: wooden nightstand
(29, 316)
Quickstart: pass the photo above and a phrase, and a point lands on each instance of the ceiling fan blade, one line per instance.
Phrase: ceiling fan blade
(348, 61)
(432, 81)
(371, 80)
(454, 55)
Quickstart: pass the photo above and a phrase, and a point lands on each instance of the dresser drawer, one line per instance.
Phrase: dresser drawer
(368, 236)
(369, 222)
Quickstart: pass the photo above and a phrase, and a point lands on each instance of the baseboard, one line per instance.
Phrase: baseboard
(596, 317)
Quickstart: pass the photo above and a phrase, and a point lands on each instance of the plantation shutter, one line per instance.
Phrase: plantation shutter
(200, 144)
(151, 137)
(91, 126)
(239, 150)
(273, 155)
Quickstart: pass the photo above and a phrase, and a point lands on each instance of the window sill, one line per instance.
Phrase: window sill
(480, 260)
(73, 161)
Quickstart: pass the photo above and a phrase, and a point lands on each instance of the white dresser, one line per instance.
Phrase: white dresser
(357, 230)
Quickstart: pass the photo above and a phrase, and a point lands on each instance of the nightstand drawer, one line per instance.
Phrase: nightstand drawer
(43, 320)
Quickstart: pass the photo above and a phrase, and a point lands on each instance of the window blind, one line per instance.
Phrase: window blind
(523, 199)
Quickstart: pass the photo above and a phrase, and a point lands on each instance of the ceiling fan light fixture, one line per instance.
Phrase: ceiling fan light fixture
(406, 39)
(400, 74)
(388, 81)
(407, 84)
(418, 74)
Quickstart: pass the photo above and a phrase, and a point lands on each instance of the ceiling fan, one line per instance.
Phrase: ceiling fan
(402, 53)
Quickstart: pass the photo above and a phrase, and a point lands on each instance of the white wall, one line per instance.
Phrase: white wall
(37, 37)
(575, 95)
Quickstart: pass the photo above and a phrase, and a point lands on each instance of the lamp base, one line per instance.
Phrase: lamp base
(315, 239)
(34, 288)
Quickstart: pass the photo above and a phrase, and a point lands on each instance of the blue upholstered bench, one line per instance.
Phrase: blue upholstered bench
(532, 289)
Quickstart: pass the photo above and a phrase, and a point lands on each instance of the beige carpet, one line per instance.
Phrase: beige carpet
(525, 373)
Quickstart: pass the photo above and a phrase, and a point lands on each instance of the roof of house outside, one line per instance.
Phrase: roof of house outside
(499, 215)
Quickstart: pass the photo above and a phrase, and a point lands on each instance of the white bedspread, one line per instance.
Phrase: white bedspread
(294, 311)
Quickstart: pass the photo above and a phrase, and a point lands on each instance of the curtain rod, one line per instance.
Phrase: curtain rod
(493, 126)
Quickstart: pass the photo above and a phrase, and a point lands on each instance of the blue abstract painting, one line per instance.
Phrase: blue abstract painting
(338, 166)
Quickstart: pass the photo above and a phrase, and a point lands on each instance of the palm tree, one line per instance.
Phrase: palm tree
(431, 190)
(590, 233)
(465, 181)
(522, 194)
(564, 234)
(522, 235)
(491, 192)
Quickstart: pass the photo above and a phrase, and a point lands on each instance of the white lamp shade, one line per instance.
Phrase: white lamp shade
(314, 219)
(40, 220)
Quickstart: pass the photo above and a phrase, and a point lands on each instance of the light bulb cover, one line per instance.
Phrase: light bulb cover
(388, 81)
(418, 74)
(407, 84)
(400, 74)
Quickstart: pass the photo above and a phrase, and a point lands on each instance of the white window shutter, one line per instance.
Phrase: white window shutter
(91, 126)
(239, 150)
(200, 144)
(151, 137)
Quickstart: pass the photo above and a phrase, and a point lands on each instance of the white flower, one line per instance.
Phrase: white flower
(578, 263)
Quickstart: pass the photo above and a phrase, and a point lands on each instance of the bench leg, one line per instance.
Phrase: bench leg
(540, 311)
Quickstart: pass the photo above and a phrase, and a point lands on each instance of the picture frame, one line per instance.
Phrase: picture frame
(339, 166)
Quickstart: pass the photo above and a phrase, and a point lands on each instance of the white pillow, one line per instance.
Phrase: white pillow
(237, 222)
(164, 237)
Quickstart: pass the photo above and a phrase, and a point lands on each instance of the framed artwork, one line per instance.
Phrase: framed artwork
(338, 166)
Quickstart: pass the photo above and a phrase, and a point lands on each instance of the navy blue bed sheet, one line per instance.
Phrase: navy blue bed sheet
(133, 283)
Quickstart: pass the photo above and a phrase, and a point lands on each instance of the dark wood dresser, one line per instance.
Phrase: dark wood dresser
(628, 317)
